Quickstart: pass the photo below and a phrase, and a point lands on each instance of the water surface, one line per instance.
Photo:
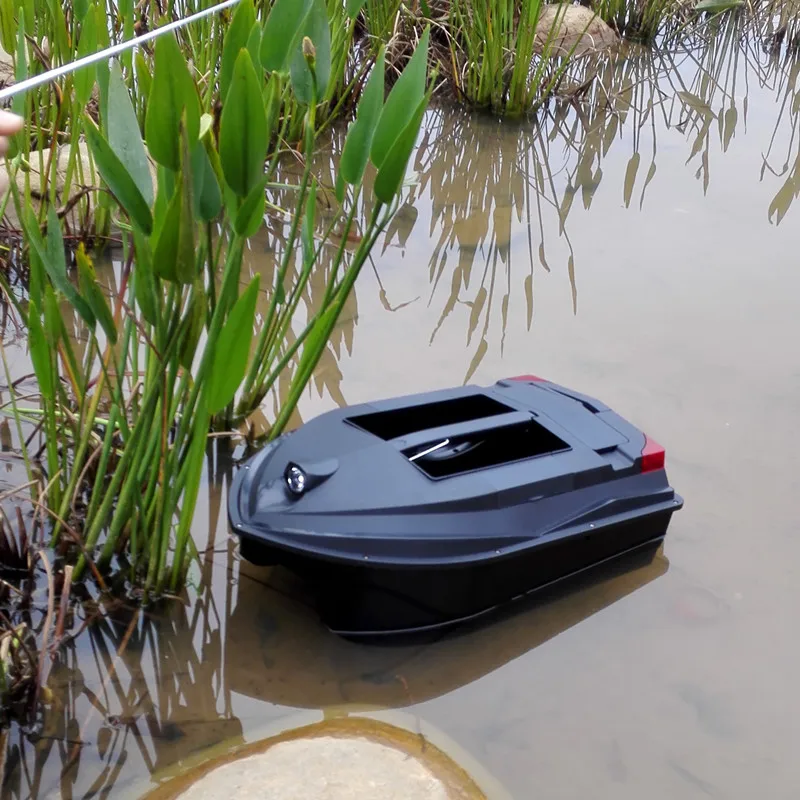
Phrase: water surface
(643, 250)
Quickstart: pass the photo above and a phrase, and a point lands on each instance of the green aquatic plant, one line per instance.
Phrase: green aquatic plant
(175, 353)
(501, 59)
(641, 20)
(50, 154)
(380, 17)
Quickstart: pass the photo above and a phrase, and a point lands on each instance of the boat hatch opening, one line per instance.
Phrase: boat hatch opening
(483, 449)
(405, 420)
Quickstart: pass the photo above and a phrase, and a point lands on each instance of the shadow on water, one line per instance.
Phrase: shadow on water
(138, 692)
(489, 212)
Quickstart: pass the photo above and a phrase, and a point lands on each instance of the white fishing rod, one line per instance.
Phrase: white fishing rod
(109, 52)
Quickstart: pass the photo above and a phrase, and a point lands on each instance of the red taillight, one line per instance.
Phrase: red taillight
(653, 455)
(525, 378)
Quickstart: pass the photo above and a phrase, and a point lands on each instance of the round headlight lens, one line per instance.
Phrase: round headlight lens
(296, 480)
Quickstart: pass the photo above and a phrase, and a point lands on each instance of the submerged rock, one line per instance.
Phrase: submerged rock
(576, 26)
(323, 767)
(84, 176)
(349, 758)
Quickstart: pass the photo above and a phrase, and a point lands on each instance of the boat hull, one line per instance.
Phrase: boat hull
(373, 600)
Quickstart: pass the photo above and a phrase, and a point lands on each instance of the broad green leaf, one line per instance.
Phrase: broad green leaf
(144, 283)
(194, 321)
(87, 44)
(8, 26)
(233, 349)
(393, 169)
(254, 44)
(317, 28)
(90, 288)
(352, 7)
(243, 129)
(402, 103)
(250, 216)
(186, 257)
(236, 37)
(117, 178)
(172, 91)
(123, 134)
(81, 9)
(282, 33)
(165, 183)
(40, 352)
(359, 138)
(207, 197)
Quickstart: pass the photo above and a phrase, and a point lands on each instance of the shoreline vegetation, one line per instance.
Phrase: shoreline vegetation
(166, 155)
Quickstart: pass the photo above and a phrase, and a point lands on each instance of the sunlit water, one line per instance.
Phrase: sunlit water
(645, 253)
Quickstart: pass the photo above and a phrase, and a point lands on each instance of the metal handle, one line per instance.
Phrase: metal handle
(52, 74)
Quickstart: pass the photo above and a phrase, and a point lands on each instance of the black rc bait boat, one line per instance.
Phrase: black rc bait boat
(421, 511)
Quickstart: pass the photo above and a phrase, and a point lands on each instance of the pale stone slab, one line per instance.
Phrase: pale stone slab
(322, 768)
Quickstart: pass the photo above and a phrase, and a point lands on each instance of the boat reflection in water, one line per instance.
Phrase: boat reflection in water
(293, 660)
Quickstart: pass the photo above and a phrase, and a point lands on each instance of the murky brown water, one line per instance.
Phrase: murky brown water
(647, 254)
